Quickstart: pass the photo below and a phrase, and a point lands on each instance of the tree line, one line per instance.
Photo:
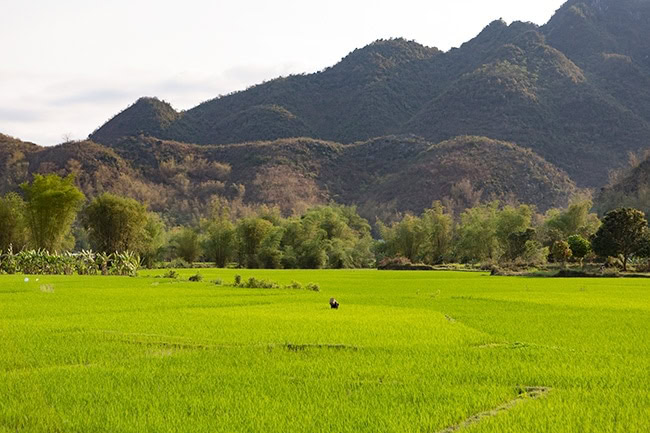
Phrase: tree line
(493, 233)
(52, 214)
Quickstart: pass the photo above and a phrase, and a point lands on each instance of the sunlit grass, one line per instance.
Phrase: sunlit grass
(406, 352)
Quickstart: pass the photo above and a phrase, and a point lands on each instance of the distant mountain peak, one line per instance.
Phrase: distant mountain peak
(576, 91)
(497, 24)
(385, 54)
(584, 29)
(157, 106)
(148, 116)
(498, 33)
(392, 47)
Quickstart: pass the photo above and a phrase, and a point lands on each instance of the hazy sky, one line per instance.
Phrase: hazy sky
(67, 66)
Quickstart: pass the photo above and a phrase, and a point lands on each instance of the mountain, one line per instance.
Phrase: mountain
(97, 168)
(494, 170)
(353, 100)
(149, 116)
(180, 179)
(585, 29)
(519, 113)
(576, 91)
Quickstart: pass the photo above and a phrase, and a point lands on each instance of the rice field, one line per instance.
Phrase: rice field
(406, 352)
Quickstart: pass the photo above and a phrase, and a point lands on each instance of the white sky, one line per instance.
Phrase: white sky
(67, 66)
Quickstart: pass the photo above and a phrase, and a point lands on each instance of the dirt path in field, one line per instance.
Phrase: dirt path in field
(530, 393)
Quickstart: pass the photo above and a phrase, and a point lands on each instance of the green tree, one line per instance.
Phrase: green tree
(561, 251)
(303, 244)
(219, 243)
(251, 232)
(513, 230)
(51, 207)
(644, 249)
(477, 233)
(535, 253)
(404, 238)
(580, 246)
(518, 244)
(153, 240)
(622, 233)
(115, 224)
(362, 254)
(576, 219)
(186, 244)
(490, 232)
(327, 236)
(438, 228)
(512, 220)
(13, 229)
(270, 253)
(311, 253)
(341, 233)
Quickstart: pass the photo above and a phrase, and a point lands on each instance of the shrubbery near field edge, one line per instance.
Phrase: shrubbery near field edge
(42, 262)
(255, 283)
(196, 278)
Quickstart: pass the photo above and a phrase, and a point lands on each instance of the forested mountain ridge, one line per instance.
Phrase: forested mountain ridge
(575, 91)
(180, 179)
(519, 113)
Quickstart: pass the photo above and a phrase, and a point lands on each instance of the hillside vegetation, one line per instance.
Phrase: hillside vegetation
(629, 187)
(382, 177)
(575, 91)
(519, 113)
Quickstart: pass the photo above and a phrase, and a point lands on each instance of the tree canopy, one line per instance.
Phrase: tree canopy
(115, 224)
(13, 230)
(52, 203)
(622, 233)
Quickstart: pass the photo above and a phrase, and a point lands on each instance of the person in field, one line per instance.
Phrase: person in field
(334, 304)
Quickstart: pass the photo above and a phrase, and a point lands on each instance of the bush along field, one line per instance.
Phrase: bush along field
(404, 352)
(39, 262)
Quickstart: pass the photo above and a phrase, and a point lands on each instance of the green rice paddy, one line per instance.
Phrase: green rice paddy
(406, 352)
